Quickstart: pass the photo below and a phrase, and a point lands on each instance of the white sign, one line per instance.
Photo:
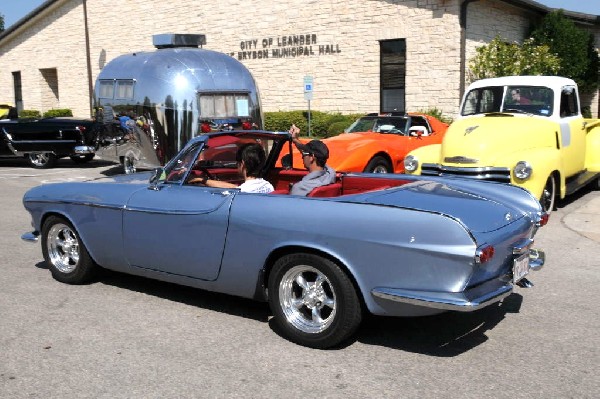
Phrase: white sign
(308, 88)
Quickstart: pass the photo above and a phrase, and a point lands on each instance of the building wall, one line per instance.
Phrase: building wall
(341, 38)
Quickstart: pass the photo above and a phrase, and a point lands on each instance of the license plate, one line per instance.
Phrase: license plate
(520, 267)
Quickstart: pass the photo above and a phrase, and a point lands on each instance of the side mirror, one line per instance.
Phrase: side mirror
(155, 179)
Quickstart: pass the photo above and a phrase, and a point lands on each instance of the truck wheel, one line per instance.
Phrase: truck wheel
(64, 252)
(83, 158)
(549, 195)
(378, 165)
(314, 302)
(42, 160)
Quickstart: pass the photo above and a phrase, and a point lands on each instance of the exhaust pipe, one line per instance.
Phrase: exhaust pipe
(524, 283)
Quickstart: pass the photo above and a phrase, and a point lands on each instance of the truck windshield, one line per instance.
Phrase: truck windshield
(536, 100)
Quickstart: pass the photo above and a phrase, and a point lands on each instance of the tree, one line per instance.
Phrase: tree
(579, 59)
(500, 58)
(1, 23)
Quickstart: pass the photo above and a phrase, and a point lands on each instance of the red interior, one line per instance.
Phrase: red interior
(283, 179)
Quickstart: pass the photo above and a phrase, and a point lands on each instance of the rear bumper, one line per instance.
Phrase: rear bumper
(469, 300)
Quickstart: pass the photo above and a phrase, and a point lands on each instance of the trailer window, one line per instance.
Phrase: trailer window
(220, 105)
(107, 89)
(124, 89)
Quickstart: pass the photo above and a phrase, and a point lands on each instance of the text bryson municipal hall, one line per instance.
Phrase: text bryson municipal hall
(284, 47)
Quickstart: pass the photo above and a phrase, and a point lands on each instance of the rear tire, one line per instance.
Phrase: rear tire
(64, 252)
(378, 164)
(42, 160)
(314, 302)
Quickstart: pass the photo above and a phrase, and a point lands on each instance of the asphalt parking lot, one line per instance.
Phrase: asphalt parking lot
(129, 337)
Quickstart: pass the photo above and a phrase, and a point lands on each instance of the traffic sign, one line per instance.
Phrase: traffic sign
(308, 88)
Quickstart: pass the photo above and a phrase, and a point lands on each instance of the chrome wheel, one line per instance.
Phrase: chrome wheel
(42, 160)
(64, 252)
(378, 165)
(63, 248)
(313, 300)
(548, 195)
(307, 299)
(380, 169)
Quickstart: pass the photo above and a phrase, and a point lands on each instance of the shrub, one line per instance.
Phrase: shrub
(29, 113)
(437, 114)
(320, 122)
(52, 113)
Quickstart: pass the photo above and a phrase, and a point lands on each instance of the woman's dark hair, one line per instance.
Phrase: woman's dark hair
(254, 158)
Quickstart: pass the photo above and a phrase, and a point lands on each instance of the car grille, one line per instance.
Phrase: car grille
(481, 173)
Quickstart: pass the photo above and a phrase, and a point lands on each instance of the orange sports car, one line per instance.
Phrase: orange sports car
(378, 143)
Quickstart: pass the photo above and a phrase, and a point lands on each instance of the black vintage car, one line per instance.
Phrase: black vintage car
(43, 141)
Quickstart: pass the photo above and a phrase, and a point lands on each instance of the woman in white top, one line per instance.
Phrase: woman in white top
(250, 161)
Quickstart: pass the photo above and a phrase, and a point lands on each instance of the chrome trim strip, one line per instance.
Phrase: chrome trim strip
(44, 141)
(32, 236)
(522, 246)
(458, 301)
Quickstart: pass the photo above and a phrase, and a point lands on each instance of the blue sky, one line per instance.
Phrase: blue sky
(13, 10)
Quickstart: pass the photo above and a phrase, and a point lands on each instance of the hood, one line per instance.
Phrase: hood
(478, 213)
(341, 145)
(482, 141)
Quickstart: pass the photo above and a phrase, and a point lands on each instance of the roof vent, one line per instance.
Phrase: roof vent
(171, 40)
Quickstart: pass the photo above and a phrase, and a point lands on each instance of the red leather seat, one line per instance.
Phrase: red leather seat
(329, 190)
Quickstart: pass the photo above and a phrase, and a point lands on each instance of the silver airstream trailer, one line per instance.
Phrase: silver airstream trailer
(151, 103)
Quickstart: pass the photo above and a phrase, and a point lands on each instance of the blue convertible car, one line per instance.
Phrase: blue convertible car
(392, 245)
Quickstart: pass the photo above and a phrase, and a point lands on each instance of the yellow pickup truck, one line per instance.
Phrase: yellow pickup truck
(523, 130)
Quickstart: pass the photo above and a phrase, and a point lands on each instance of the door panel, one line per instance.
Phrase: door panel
(178, 229)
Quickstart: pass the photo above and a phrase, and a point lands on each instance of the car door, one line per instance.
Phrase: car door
(177, 229)
(43, 136)
(572, 132)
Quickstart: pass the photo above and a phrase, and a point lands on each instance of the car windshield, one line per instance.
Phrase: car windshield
(379, 124)
(536, 100)
(219, 152)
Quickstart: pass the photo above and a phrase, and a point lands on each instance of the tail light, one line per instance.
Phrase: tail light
(246, 125)
(205, 128)
(484, 254)
(544, 219)
(82, 129)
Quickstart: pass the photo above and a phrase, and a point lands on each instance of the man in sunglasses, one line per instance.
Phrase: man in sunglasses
(314, 156)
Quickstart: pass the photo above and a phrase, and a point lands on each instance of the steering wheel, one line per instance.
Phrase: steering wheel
(204, 175)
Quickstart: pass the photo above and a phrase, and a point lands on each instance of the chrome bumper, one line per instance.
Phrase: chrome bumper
(84, 149)
(467, 301)
(32, 236)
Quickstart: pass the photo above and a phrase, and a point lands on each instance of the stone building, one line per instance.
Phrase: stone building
(363, 55)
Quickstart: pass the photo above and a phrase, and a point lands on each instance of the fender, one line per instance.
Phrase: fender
(427, 154)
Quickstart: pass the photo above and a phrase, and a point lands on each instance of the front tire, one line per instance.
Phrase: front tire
(378, 165)
(313, 300)
(42, 160)
(548, 198)
(64, 252)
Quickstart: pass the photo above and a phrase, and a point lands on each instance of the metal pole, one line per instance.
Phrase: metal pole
(308, 118)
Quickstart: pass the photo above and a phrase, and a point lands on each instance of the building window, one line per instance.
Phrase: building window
(49, 91)
(392, 75)
(18, 90)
